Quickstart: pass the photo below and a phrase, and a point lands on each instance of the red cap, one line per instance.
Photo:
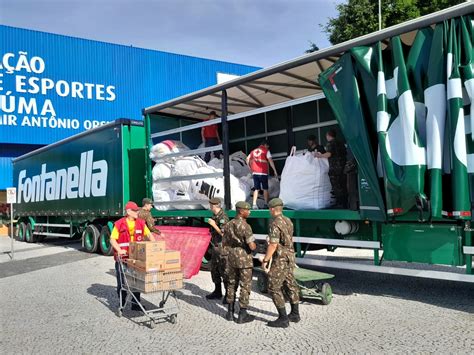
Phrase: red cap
(131, 206)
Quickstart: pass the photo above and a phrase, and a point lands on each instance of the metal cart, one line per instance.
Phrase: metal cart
(163, 311)
(310, 283)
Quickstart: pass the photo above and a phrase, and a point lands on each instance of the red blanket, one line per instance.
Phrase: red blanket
(192, 242)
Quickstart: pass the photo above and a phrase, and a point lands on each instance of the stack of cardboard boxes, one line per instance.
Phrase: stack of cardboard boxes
(152, 268)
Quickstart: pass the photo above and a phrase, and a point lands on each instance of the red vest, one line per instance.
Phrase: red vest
(124, 234)
(259, 161)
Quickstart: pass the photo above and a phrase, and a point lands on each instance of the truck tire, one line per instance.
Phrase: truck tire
(29, 237)
(104, 242)
(21, 230)
(90, 236)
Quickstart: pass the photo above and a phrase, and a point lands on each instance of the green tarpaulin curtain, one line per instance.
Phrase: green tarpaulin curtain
(405, 110)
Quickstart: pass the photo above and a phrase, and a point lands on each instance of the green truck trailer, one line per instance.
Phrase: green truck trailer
(414, 178)
(77, 187)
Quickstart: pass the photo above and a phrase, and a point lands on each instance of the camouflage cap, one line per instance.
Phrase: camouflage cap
(275, 202)
(215, 201)
(243, 205)
(147, 201)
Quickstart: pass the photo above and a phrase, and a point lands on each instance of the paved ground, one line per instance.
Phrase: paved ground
(56, 299)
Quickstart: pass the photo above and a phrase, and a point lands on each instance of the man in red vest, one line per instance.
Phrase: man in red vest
(258, 160)
(128, 229)
(210, 137)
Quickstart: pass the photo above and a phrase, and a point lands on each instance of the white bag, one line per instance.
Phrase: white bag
(186, 166)
(166, 147)
(161, 196)
(204, 189)
(180, 195)
(305, 183)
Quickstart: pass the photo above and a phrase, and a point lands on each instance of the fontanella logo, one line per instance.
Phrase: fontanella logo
(89, 179)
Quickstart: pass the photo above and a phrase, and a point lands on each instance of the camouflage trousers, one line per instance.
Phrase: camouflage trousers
(218, 267)
(239, 277)
(339, 188)
(281, 276)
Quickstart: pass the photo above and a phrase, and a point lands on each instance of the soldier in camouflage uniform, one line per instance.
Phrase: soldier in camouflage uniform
(218, 252)
(238, 237)
(336, 154)
(280, 275)
(144, 213)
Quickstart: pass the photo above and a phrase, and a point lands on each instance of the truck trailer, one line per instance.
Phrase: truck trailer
(77, 187)
(414, 196)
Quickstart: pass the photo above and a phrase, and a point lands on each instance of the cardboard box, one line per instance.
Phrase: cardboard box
(172, 260)
(154, 276)
(172, 275)
(145, 251)
(148, 287)
(161, 261)
(146, 266)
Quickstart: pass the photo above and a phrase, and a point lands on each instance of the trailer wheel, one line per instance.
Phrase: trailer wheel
(29, 237)
(326, 293)
(21, 230)
(91, 238)
(104, 242)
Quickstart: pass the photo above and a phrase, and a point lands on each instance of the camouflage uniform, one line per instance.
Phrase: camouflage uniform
(283, 264)
(337, 161)
(238, 234)
(218, 252)
(150, 221)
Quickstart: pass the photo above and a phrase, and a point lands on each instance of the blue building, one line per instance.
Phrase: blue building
(54, 86)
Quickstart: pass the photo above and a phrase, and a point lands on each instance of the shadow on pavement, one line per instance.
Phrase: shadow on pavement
(198, 299)
(107, 295)
(17, 267)
(440, 293)
(50, 243)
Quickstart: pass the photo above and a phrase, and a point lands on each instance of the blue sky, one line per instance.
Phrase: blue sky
(258, 32)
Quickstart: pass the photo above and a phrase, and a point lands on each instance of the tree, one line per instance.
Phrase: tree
(360, 17)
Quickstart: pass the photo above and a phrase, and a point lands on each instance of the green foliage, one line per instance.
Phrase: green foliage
(360, 17)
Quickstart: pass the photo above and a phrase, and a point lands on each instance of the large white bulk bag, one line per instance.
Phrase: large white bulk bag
(166, 147)
(216, 163)
(161, 196)
(305, 182)
(204, 189)
(161, 171)
(180, 195)
(207, 188)
(186, 166)
(219, 164)
(183, 185)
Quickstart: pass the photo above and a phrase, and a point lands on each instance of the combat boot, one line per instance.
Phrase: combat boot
(294, 315)
(217, 293)
(282, 321)
(244, 317)
(230, 312)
